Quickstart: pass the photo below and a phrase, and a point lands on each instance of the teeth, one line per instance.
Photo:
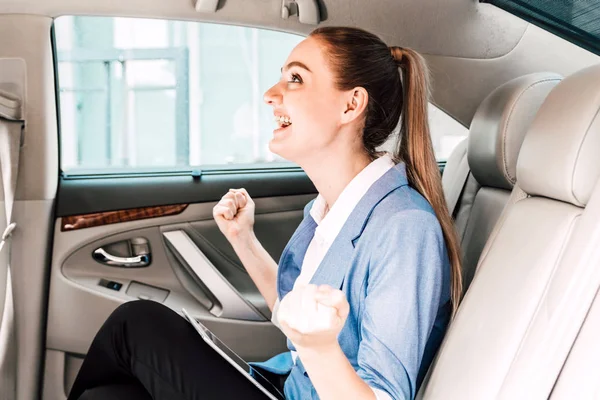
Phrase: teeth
(284, 120)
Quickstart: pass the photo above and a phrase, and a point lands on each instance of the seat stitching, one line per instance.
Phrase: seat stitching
(587, 315)
(585, 136)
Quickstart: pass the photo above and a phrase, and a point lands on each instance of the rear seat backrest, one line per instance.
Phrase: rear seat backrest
(579, 376)
(567, 136)
(494, 142)
(3, 261)
(558, 168)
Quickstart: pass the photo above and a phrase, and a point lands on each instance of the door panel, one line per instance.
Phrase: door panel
(79, 301)
(82, 194)
(60, 371)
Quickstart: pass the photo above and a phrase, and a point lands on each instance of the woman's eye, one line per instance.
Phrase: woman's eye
(295, 78)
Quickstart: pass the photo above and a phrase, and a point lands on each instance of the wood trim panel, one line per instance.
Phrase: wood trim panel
(75, 222)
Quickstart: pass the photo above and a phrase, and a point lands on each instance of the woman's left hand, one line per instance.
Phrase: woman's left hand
(312, 317)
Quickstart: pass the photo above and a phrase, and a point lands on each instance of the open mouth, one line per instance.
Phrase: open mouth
(282, 121)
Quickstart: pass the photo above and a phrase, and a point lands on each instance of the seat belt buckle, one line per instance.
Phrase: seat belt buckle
(7, 234)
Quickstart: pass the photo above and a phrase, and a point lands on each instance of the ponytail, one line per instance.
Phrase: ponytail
(360, 59)
(416, 151)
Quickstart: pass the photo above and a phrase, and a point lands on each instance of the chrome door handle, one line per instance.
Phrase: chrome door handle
(103, 257)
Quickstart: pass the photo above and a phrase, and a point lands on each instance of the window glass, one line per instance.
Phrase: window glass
(446, 132)
(158, 94)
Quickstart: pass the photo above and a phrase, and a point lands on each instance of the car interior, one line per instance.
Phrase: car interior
(123, 123)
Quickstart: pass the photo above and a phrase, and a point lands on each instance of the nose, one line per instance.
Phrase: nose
(273, 96)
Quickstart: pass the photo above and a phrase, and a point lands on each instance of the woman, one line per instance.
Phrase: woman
(367, 284)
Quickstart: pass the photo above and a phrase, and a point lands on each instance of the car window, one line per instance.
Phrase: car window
(446, 132)
(157, 94)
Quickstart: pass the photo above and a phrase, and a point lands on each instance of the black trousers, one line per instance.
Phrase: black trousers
(146, 351)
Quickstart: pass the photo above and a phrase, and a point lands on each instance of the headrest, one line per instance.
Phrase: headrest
(499, 126)
(559, 158)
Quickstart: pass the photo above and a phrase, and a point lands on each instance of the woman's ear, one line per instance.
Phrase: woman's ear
(356, 103)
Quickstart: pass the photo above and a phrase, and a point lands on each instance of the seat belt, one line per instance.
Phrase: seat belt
(11, 133)
(455, 188)
(12, 127)
(462, 176)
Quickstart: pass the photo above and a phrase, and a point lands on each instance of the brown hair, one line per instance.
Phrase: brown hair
(361, 59)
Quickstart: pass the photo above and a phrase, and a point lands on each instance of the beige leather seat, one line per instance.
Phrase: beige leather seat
(494, 142)
(556, 333)
(510, 337)
(579, 376)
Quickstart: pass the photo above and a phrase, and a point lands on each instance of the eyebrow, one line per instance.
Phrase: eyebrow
(295, 64)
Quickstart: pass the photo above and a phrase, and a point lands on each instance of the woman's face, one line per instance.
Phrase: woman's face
(308, 108)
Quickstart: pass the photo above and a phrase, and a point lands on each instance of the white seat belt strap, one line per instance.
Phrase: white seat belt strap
(461, 180)
(454, 181)
(11, 131)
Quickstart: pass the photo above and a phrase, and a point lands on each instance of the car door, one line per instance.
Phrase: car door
(158, 119)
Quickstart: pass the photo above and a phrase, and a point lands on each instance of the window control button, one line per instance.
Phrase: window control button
(114, 285)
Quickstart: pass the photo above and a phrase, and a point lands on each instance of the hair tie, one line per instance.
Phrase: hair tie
(397, 54)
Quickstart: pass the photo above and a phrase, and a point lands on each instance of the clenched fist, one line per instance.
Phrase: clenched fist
(234, 214)
(312, 317)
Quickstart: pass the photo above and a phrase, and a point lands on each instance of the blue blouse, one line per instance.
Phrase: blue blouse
(391, 261)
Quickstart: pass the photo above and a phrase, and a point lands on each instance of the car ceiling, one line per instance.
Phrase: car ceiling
(462, 28)
(455, 35)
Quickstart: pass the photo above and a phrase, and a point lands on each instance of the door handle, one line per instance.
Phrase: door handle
(102, 256)
(141, 255)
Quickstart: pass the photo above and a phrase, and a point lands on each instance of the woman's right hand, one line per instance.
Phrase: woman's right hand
(234, 214)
